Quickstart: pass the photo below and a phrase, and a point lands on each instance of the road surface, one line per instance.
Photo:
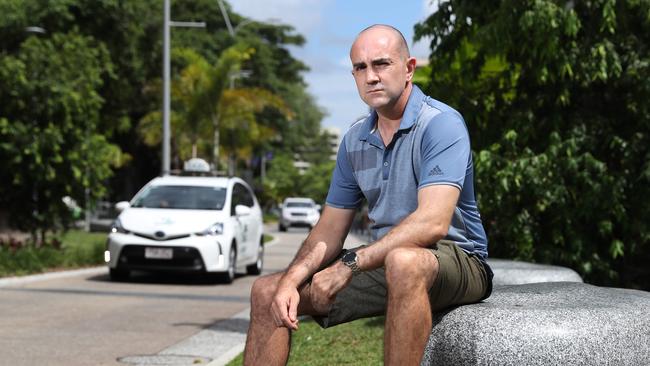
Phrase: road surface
(85, 319)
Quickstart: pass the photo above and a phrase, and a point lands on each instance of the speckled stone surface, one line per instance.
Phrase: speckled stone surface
(554, 323)
(508, 272)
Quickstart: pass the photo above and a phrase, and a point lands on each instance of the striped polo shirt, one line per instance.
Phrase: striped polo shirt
(430, 147)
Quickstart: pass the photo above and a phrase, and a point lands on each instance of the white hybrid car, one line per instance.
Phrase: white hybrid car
(188, 224)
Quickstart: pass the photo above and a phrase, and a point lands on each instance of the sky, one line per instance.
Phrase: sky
(330, 26)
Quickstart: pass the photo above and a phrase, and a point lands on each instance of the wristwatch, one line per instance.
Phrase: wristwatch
(350, 260)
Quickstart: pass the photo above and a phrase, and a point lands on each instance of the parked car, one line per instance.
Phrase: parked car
(299, 212)
(188, 224)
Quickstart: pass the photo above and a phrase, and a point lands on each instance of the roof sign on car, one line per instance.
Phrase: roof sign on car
(196, 165)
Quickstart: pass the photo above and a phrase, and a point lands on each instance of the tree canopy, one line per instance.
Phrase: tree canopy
(555, 94)
(50, 144)
(74, 93)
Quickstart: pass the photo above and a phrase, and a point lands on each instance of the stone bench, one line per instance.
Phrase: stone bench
(552, 323)
(508, 272)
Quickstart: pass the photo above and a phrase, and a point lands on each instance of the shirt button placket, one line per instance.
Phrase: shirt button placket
(385, 171)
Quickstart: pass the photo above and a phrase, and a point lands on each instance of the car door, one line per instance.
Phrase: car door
(243, 224)
(253, 222)
(237, 225)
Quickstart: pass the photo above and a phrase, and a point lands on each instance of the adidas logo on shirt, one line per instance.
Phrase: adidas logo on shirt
(436, 171)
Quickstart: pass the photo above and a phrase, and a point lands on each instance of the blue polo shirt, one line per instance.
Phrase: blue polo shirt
(430, 147)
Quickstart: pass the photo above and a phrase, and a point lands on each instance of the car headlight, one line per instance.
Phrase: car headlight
(214, 229)
(118, 228)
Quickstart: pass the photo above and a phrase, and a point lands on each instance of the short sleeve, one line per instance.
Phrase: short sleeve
(445, 151)
(344, 190)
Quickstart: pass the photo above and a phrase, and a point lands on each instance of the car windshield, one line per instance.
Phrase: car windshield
(182, 197)
(299, 204)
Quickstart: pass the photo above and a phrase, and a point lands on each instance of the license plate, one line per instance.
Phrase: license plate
(158, 253)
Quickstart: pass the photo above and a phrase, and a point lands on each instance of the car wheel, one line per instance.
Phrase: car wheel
(118, 274)
(229, 275)
(256, 268)
(282, 228)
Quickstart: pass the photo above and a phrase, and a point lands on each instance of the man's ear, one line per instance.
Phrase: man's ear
(410, 68)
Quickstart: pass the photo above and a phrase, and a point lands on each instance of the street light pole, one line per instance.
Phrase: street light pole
(167, 23)
(166, 165)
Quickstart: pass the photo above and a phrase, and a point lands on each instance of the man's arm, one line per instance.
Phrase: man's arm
(425, 226)
(321, 246)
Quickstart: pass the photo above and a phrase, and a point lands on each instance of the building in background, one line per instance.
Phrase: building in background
(334, 139)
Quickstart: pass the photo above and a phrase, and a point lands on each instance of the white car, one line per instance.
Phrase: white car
(298, 211)
(188, 224)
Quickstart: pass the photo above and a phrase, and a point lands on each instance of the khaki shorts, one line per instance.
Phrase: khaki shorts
(462, 279)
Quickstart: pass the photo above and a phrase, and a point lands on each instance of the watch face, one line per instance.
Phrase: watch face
(349, 257)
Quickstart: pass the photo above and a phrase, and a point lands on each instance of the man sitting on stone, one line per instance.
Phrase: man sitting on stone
(411, 159)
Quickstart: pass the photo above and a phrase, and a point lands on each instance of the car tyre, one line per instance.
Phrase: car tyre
(256, 268)
(118, 275)
(229, 275)
(282, 228)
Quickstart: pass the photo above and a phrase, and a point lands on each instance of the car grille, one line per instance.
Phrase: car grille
(183, 259)
(298, 214)
(152, 237)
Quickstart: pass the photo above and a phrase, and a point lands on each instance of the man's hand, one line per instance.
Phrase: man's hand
(285, 307)
(326, 284)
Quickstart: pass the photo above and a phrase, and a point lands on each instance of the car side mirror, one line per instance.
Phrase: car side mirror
(241, 210)
(318, 208)
(122, 205)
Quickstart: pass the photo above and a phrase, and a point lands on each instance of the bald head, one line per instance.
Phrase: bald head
(396, 37)
(382, 69)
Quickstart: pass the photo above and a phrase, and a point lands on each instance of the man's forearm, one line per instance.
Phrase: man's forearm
(315, 252)
(416, 230)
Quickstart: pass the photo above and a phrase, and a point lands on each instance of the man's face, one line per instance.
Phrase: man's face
(379, 70)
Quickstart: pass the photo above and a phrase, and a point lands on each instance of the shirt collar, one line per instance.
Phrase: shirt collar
(411, 113)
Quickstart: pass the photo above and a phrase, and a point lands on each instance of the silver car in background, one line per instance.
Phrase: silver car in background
(298, 212)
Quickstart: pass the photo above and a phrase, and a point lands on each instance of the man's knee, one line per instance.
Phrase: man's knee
(410, 267)
(263, 290)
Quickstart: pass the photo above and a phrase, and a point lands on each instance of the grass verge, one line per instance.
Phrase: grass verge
(359, 342)
(78, 249)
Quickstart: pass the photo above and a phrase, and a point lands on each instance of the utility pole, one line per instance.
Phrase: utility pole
(167, 23)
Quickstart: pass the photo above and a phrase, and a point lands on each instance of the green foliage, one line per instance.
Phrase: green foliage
(115, 82)
(315, 182)
(204, 102)
(50, 144)
(131, 32)
(82, 249)
(284, 180)
(281, 180)
(28, 260)
(78, 249)
(555, 95)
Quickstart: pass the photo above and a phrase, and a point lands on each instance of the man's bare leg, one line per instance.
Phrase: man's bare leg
(266, 343)
(410, 272)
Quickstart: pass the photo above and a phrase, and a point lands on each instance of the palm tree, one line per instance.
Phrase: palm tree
(204, 106)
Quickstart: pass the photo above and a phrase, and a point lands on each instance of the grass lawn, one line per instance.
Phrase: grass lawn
(78, 249)
(356, 343)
